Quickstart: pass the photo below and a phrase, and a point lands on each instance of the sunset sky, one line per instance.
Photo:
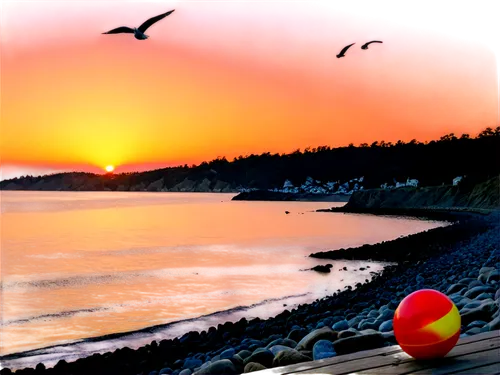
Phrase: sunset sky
(224, 78)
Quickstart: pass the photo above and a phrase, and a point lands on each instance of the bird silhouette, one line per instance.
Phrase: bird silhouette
(365, 46)
(342, 53)
(139, 31)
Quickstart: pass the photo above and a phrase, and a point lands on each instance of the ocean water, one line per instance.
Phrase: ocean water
(80, 265)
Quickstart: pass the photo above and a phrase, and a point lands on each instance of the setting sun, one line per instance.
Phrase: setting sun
(109, 168)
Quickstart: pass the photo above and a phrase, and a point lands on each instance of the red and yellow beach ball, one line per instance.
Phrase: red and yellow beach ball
(426, 324)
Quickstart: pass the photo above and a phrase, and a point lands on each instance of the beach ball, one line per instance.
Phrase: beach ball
(426, 324)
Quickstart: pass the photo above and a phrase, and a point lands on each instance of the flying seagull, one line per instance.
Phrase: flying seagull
(365, 46)
(342, 53)
(139, 31)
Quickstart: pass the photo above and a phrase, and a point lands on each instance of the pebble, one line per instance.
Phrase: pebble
(386, 326)
(290, 357)
(323, 349)
(252, 366)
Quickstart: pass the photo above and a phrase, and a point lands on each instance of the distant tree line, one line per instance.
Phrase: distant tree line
(432, 163)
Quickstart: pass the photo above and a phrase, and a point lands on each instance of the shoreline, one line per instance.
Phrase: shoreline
(269, 196)
(465, 225)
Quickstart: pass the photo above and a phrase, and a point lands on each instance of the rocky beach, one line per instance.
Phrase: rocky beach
(461, 260)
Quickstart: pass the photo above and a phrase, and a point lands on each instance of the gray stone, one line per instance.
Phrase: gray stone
(477, 290)
(493, 325)
(386, 315)
(297, 334)
(386, 326)
(493, 276)
(476, 323)
(265, 358)
(341, 325)
(455, 288)
(221, 367)
(275, 349)
(244, 354)
(252, 366)
(347, 333)
(290, 357)
(228, 353)
(285, 342)
(192, 363)
(325, 333)
(484, 296)
(484, 273)
(323, 349)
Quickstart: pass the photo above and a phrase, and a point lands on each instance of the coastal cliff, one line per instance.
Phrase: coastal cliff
(92, 182)
(485, 195)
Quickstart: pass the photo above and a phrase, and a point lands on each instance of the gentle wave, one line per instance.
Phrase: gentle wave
(80, 281)
(62, 314)
(76, 281)
(70, 313)
(148, 330)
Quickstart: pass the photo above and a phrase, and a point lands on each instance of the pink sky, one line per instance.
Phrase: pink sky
(224, 78)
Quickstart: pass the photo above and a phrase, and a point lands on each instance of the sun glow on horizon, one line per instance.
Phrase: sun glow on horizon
(109, 168)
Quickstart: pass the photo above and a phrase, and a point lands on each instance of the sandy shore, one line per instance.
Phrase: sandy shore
(460, 260)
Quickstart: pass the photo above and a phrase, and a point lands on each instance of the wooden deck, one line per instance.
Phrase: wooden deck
(478, 354)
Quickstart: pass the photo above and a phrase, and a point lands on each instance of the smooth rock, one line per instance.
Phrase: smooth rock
(192, 363)
(475, 283)
(265, 358)
(325, 333)
(481, 312)
(297, 334)
(252, 366)
(455, 288)
(347, 333)
(477, 323)
(493, 325)
(221, 367)
(484, 296)
(493, 276)
(386, 315)
(484, 273)
(386, 326)
(477, 290)
(244, 354)
(341, 325)
(228, 353)
(275, 349)
(285, 342)
(354, 321)
(289, 357)
(323, 349)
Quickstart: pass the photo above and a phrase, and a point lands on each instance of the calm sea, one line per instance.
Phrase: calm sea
(77, 265)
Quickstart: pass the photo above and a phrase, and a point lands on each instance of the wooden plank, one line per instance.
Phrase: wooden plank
(489, 370)
(398, 359)
(445, 365)
(390, 351)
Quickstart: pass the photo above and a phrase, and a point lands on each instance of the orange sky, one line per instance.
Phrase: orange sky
(236, 77)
